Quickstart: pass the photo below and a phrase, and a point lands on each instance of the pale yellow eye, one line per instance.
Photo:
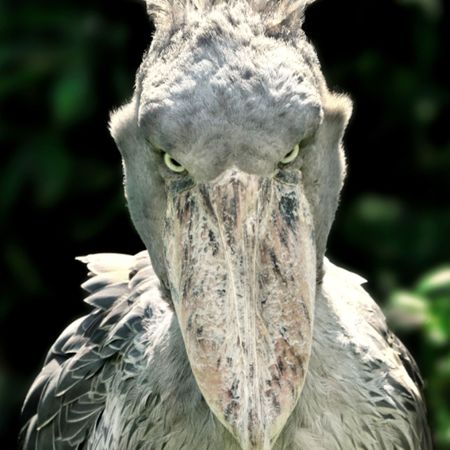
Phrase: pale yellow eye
(173, 164)
(291, 155)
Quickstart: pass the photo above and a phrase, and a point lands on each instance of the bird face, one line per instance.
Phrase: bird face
(233, 167)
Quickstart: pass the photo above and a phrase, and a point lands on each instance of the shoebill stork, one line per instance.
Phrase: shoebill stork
(232, 330)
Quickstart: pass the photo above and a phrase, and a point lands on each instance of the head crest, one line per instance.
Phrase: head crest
(169, 13)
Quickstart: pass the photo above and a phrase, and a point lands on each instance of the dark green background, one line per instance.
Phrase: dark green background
(65, 64)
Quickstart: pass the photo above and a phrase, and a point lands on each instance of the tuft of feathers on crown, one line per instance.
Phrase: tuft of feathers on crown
(170, 13)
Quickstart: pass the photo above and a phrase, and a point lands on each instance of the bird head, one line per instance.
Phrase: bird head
(233, 164)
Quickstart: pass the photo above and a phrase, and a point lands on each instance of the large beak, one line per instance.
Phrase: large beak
(241, 262)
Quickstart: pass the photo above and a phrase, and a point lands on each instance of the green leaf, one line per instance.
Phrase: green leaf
(407, 310)
(436, 283)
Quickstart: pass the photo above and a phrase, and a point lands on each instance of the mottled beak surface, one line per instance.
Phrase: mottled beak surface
(241, 261)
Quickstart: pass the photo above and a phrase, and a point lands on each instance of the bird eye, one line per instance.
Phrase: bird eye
(173, 164)
(289, 157)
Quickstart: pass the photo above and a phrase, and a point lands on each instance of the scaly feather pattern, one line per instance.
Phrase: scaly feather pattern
(69, 394)
(119, 378)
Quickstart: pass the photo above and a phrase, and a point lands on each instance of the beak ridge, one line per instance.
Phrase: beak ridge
(241, 264)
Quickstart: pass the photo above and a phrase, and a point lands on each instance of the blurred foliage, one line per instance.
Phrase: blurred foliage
(65, 64)
(424, 311)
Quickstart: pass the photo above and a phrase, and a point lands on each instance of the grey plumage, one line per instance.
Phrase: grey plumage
(231, 331)
(374, 395)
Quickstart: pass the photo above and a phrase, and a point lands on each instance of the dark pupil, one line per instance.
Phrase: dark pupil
(175, 162)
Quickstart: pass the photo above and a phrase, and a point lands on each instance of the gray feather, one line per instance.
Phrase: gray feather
(68, 404)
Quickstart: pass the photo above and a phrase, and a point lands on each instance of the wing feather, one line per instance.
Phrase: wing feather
(68, 396)
(400, 401)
